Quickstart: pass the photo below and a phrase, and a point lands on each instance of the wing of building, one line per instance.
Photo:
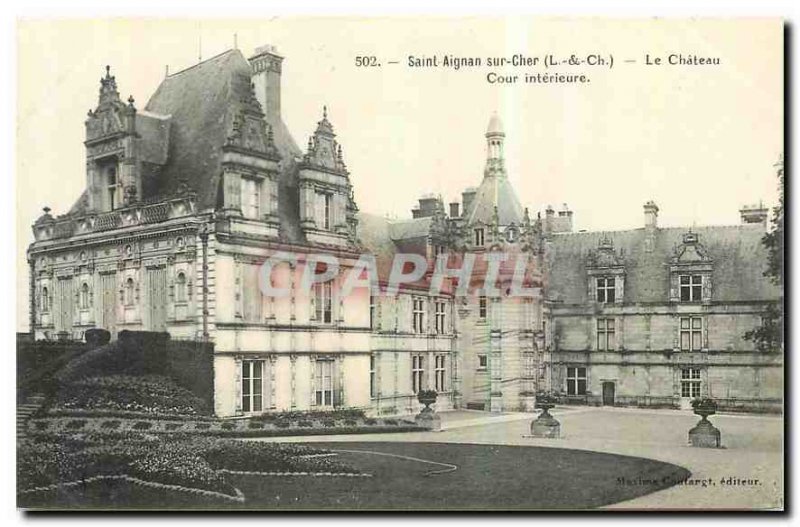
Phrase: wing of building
(188, 197)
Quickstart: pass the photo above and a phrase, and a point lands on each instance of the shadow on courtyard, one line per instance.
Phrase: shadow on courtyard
(487, 477)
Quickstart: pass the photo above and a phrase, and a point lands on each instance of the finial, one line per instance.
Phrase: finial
(46, 209)
(325, 112)
(130, 101)
(108, 70)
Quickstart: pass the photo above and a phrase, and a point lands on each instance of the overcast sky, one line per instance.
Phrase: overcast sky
(699, 140)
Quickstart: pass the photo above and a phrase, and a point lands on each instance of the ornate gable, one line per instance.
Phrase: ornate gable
(249, 131)
(323, 150)
(690, 251)
(111, 116)
(604, 257)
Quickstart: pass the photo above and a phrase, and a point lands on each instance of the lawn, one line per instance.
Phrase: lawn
(487, 477)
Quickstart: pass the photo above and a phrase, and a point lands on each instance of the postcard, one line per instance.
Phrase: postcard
(400, 263)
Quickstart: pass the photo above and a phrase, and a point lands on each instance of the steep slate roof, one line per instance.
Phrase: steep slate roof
(495, 191)
(202, 102)
(385, 238)
(739, 261)
(154, 132)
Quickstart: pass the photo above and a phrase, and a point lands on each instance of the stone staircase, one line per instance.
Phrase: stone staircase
(24, 411)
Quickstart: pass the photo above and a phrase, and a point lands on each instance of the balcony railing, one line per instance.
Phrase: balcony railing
(136, 214)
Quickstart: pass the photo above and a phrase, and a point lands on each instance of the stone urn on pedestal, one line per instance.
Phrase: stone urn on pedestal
(428, 418)
(545, 425)
(704, 434)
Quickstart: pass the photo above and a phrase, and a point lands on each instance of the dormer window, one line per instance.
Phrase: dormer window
(479, 237)
(111, 187)
(606, 288)
(251, 198)
(324, 210)
(691, 288)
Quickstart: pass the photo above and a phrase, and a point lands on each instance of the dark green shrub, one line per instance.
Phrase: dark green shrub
(305, 423)
(255, 425)
(151, 394)
(328, 423)
(202, 426)
(228, 425)
(142, 425)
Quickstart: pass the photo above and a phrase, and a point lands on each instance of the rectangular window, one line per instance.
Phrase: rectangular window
(576, 381)
(323, 382)
(324, 210)
(439, 373)
(440, 317)
(605, 334)
(323, 303)
(417, 373)
(479, 237)
(691, 333)
(482, 306)
(418, 315)
(252, 378)
(691, 288)
(606, 290)
(690, 382)
(372, 376)
(372, 312)
(483, 362)
(251, 198)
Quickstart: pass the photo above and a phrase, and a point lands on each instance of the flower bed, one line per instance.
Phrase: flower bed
(149, 394)
(223, 428)
(52, 458)
(72, 458)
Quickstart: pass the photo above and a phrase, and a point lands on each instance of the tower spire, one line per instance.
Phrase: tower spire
(495, 137)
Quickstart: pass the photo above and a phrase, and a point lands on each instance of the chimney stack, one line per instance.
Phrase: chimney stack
(427, 206)
(466, 200)
(651, 215)
(266, 64)
(564, 221)
(754, 214)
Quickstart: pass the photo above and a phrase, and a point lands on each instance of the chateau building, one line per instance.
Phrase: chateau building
(188, 197)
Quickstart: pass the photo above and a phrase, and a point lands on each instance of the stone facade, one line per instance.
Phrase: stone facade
(188, 197)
